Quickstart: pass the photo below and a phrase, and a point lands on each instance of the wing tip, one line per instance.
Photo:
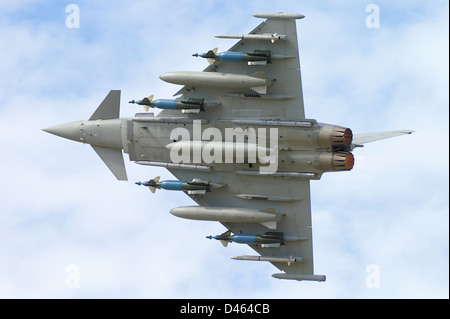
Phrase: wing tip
(300, 277)
(278, 15)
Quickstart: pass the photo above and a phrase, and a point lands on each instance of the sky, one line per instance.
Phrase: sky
(68, 229)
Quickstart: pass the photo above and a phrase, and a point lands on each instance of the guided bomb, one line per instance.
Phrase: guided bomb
(267, 238)
(168, 104)
(196, 186)
(256, 57)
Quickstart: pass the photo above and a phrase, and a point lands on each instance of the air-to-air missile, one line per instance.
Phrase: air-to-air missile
(289, 260)
(267, 238)
(188, 104)
(196, 186)
(272, 37)
(256, 57)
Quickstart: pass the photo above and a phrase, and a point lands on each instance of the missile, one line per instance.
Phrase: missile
(256, 57)
(265, 36)
(289, 260)
(268, 217)
(256, 81)
(196, 186)
(300, 277)
(279, 16)
(267, 238)
(188, 104)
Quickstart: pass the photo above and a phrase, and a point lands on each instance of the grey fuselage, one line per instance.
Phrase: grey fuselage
(302, 146)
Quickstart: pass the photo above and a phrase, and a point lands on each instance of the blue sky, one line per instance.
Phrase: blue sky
(60, 206)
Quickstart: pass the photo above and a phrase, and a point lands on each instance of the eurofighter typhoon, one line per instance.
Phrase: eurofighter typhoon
(237, 139)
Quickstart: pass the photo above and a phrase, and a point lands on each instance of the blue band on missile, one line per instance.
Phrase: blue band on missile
(172, 185)
(166, 104)
(231, 56)
(244, 238)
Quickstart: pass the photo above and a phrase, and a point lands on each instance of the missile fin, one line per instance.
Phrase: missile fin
(224, 243)
(147, 107)
(155, 180)
(260, 89)
(270, 225)
(227, 233)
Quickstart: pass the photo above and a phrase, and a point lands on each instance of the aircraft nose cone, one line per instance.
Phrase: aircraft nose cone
(69, 130)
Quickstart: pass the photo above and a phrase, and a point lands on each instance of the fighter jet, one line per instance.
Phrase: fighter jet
(256, 143)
